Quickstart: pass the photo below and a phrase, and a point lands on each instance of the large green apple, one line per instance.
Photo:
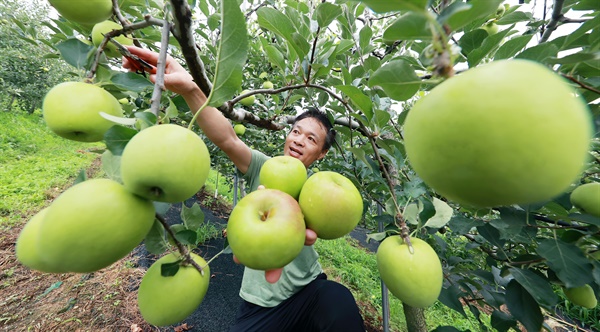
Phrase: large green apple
(248, 101)
(165, 163)
(168, 300)
(331, 204)
(582, 296)
(86, 12)
(586, 197)
(266, 229)
(92, 225)
(239, 129)
(507, 132)
(26, 247)
(104, 27)
(414, 278)
(284, 173)
(72, 110)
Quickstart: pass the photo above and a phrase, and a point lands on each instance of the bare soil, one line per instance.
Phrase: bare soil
(106, 300)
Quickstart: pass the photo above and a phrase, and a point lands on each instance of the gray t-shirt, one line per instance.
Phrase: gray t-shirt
(297, 274)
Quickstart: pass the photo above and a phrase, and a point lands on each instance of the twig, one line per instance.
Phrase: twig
(182, 250)
(159, 86)
(581, 84)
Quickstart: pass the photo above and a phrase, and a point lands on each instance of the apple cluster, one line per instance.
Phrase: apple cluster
(267, 228)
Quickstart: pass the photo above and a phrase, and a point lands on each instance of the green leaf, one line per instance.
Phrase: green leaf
(514, 17)
(575, 58)
(359, 154)
(443, 214)
(512, 47)
(472, 40)
(397, 79)
(489, 44)
(567, 261)
(75, 52)
(376, 236)
(586, 218)
(118, 119)
(117, 137)
(410, 26)
(582, 30)
(155, 239)
(273, 20)
(362, 101)
(411, 213)
(479, 9)
(536, 286)
(187, 237)
(232, 53)
(502, 322)
(131, 81)
(327, 12)
(523, 306)
(450, 298)
(380, 6)
(275, 56)
(111, 165)
(463, 225)
(539, 52)
(511, 222)
(169, 269)
(365, 34)
(192, 217)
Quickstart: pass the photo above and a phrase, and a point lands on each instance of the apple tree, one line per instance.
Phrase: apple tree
(377, 67)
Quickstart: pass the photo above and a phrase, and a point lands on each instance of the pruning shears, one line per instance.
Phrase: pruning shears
(137, 63)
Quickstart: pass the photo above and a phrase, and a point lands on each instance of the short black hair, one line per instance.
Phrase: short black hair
(313, 112)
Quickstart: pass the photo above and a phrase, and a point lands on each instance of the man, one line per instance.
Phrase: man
(297, 297)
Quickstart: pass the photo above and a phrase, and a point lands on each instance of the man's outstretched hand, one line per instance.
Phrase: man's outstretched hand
(272, 276)
(177, 78)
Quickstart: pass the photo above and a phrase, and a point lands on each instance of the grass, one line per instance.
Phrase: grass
(343, 260)
(35, 163)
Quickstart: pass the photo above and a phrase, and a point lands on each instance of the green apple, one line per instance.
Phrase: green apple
(331, 204)
(266, 229)
(168, 300)
(165, 163)
(86, 12)
(104, 27)
(586, 197)
(92, 225)
(473, 144)
(72, 110)
(582, 296)
(263, 75)
(284, 173)
(491, 28)
(124, 101)
(414, 278)
(248, 101)
(267, 85)
(26, 247)
(239, 129)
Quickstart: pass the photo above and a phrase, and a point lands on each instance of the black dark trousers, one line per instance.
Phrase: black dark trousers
(323, 305)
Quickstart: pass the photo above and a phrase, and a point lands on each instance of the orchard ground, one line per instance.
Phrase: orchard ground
(106, 300)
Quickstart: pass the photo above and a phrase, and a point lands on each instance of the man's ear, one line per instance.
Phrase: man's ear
(322, 155)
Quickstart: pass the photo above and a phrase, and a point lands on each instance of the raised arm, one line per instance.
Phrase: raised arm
(213, 123)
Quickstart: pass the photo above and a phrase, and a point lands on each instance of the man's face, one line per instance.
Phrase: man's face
(305, 141)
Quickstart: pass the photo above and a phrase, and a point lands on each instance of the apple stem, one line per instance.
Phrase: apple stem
(405, 233)
(213, 257)
(264, 215)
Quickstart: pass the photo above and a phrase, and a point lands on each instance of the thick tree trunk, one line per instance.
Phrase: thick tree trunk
(415, 319)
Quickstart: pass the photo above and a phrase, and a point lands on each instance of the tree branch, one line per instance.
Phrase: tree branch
(554, 20)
